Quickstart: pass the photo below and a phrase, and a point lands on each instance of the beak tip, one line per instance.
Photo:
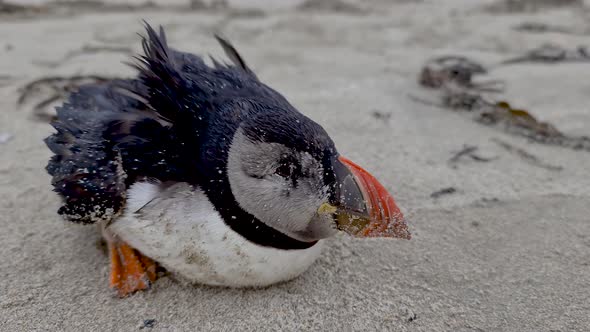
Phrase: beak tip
(398, 229)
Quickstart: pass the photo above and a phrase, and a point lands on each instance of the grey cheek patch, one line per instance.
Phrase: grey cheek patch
(269, 197)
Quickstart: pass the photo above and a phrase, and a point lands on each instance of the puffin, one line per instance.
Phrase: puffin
(200, 168)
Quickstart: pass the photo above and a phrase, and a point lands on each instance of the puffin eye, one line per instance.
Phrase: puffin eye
(284, 170)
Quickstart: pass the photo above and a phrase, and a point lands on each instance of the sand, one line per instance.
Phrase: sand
(509, 250)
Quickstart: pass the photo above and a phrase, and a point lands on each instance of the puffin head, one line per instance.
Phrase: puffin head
(284, 169)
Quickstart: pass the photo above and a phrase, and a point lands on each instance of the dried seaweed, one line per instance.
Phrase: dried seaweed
(442, 71)
(515, 6)
(526, 156)
(52, 89)
(535, 27)
(12, 8)
(550, 53)
(93, 5)
(330, 6)
(68, 7)
(521, 122)
(502, 112)
(452, 78)
(85, 50)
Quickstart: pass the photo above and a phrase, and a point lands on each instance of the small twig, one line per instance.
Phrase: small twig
(482, 159)
(444, 191)
(526, 156)
(469, 150)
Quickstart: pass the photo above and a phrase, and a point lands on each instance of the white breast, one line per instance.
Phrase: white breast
(178, 227)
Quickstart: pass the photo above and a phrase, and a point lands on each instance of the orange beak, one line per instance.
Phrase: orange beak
(362, 206)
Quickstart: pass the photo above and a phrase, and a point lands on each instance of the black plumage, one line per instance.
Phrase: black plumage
(174, 122)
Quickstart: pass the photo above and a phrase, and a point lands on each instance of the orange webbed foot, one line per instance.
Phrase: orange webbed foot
(130, 270)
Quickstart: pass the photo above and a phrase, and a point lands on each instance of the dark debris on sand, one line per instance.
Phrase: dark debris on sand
(549, 53)
(520, 6)
(452, 78)
(148, 324)
(468, 151)
(526, 156)
(442, 192)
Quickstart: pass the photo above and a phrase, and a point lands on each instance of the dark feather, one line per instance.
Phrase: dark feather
(232, 53)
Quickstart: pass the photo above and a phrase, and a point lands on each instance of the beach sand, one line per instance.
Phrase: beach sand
(508, 250)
